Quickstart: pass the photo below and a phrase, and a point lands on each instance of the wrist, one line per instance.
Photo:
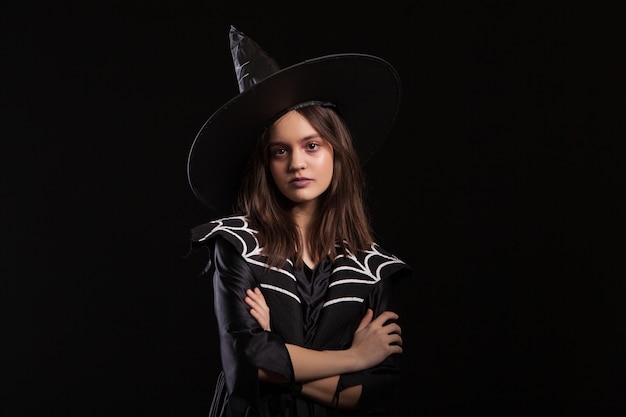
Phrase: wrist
(352, 360)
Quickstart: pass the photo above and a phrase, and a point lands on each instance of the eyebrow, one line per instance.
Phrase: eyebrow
(304, 139)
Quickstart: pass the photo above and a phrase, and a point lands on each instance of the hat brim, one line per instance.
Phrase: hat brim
(366, 90)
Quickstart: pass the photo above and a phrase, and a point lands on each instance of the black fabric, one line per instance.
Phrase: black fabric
(312, 286)
(377, 383)
(317, 309)
(231, 278)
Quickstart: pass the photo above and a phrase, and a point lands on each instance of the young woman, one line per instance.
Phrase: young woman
(302, 293)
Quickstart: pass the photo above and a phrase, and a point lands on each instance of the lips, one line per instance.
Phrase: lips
(300, 182)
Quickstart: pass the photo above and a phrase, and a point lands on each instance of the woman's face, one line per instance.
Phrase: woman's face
(301, 161)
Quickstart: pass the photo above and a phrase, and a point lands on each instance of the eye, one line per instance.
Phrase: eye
(275, 152)
(312, 146)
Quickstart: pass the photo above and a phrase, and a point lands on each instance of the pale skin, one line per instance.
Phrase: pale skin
(301, 165)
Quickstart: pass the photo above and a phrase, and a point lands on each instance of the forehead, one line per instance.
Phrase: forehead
(292, 126)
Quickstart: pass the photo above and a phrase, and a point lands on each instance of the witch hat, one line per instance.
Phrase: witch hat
(363, 88)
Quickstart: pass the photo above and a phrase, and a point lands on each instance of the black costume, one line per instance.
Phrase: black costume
(318, 309)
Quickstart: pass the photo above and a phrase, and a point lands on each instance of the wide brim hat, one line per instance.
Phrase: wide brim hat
(364, 89)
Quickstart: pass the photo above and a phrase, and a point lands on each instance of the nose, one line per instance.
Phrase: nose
(297, 161)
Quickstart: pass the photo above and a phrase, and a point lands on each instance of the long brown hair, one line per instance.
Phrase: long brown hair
(342, 224)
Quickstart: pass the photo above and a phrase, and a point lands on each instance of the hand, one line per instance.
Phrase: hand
(258, 308)
(375, 340)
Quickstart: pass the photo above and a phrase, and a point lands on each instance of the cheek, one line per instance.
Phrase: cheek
(331, 170)
(329, 164)
(325, 170)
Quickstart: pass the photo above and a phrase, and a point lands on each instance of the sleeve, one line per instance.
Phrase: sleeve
(244, 345)
(379, 382)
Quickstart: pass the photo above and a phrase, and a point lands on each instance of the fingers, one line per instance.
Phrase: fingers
(377, 338)
(387, 325)
(384, 319)
(256, 315)
(366, 320)
(258, 307)
(386, 316)
(254, 299)
(260, 318)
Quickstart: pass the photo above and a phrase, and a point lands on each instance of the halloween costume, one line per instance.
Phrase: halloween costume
(319, 309)
(316, 308)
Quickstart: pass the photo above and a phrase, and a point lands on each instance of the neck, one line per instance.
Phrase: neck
(303, 214)
(303, 217)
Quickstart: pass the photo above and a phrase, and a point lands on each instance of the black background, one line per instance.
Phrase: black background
(501, 184)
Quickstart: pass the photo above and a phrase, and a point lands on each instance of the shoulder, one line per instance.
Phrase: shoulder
(230, 224)
(234, 229)
(375, 262)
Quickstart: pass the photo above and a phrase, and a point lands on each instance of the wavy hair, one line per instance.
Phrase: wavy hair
(342, 224)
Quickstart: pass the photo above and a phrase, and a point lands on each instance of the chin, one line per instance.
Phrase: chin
(302, 199)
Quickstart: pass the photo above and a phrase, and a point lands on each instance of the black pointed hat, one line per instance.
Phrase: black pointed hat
(364, 89)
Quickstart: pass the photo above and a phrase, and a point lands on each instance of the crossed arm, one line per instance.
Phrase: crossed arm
(318, 371)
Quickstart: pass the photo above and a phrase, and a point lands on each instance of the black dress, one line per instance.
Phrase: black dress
(315, 308)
